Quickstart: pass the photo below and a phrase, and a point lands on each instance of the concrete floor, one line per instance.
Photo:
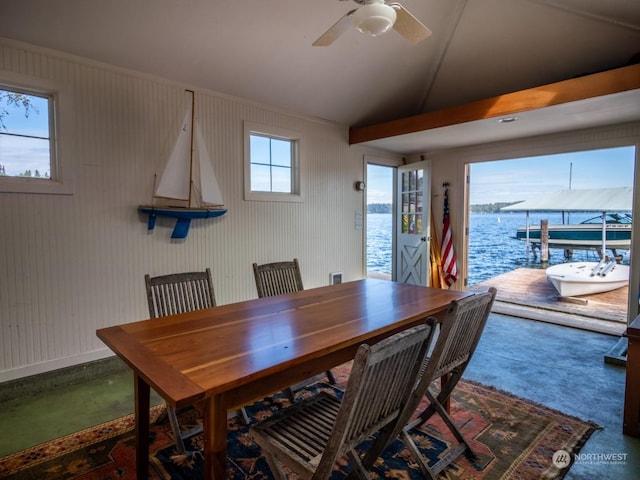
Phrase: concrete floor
(562, 368)
(557, 366)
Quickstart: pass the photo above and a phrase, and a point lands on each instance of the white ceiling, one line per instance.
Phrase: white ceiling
(261, 50)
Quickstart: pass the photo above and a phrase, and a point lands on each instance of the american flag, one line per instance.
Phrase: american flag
(447, 253)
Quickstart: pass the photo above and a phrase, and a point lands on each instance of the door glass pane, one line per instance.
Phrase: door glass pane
(419, 223)
(412, 224)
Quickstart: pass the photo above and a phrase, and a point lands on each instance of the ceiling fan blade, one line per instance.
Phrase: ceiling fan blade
(338, 28)
(409, 26)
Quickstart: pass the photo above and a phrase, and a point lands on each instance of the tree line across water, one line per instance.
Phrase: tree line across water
(481, 208)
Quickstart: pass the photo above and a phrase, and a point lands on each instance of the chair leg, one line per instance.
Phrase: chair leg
(242, 413)
(276, 471)
(431, 472)
(383, 439)
(179, 435)
(462, 446)
(408, 441)
(330, 377)
(290, 394)
(449, 422)
(443, 396)
(358, 471)
(175, 426)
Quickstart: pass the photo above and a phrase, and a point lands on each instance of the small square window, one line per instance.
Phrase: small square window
(272, 167)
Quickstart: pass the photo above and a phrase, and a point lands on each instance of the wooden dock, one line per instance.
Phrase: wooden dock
(526, 292)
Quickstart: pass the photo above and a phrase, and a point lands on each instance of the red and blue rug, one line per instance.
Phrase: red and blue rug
(515, 439)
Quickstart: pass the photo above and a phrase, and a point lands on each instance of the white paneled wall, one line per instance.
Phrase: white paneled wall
(70, 264)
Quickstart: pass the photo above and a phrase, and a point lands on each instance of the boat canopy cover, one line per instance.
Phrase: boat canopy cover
(589, 200)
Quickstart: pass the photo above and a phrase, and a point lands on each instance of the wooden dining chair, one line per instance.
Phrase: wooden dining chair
(278, 278)
(456, 341)
(179, 293)
(311, 435)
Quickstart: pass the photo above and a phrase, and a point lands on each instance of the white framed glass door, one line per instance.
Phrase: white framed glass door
(413, 225)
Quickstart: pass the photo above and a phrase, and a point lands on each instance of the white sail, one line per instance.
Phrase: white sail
(209, 189)
(175, 180)
(178, 174)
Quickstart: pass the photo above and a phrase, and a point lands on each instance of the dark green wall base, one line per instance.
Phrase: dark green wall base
(42, 382)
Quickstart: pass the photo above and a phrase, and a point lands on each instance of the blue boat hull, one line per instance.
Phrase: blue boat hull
(183, 217)
(581, 236)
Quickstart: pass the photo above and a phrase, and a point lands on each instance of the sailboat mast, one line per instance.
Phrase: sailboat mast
(193, 98)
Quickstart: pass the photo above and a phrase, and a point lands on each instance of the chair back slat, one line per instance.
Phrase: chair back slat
(380, 383)
(454, 343)
(179, 293)
(460, 332)
(277, 278)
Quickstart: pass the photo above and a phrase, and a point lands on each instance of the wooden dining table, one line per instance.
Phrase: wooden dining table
(226, 356)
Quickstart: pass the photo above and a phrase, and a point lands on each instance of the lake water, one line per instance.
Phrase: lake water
(492, 248)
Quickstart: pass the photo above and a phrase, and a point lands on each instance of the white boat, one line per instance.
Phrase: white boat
(584, 278)
(586, 235)
(190, 185)
(611, 230)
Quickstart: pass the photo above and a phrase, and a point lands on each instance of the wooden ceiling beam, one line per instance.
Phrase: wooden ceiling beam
(582, 88)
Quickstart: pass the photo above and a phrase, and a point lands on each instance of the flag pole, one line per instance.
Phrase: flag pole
(437, 275)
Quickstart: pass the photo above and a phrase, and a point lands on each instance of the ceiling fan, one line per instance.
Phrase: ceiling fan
(374, 18)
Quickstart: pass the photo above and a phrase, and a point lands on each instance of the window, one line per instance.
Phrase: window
(272, 170)
(25, 138)
(30, 153)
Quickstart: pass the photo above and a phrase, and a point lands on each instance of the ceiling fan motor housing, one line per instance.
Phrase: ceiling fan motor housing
(374, 18)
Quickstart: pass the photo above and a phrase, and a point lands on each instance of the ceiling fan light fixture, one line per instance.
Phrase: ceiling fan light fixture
(374, 18)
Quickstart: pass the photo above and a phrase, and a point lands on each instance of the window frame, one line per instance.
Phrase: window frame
(251, 128)
(60, 111)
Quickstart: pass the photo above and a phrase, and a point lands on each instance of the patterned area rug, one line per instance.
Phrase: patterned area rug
(515, 439)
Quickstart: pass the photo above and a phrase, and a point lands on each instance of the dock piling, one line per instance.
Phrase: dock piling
(544, 241)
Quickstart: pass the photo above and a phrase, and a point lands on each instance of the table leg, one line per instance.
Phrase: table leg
(142, 398)
(214, 426)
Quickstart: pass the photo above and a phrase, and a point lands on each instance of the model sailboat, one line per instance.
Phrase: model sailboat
(187, 180)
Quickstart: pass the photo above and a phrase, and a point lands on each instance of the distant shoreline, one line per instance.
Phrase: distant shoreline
(481, 208)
